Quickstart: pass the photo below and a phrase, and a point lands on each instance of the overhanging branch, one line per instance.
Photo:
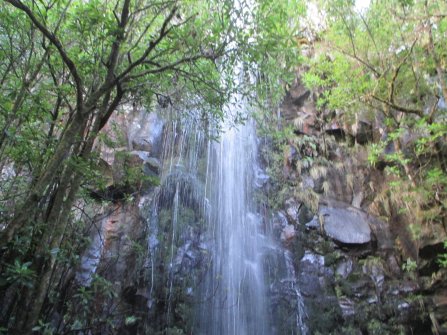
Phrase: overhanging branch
(55, 41)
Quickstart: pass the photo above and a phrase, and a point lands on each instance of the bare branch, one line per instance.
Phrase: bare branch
(162, 34)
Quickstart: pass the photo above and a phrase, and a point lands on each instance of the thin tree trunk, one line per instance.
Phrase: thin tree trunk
(62, 152)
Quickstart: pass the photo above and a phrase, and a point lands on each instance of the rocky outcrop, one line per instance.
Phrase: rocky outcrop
(361, 267)
(345, 224)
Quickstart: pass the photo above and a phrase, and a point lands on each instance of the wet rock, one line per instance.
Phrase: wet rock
(374, 270)
(292, 210)
(288, 233)
(347, 306)
(261, 178)
(314, 276)
(346, 225)
(280, 220)
(402, 287)
(137, 158)
(297, 213)
(344, 268)
(360, 286)
(152, 164)
(313, 224)
(145, 132)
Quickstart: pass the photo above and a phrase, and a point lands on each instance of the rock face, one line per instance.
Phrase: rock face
(346, 225)
(353, 274)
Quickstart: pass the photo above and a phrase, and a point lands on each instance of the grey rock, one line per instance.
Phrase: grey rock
(153, 164)
(357, 200)
(288, 233)
(292, 210)
(376, 272)
(347, 306)
(402, 306)
(308, 182)
(313, 224)
(346, 225)
(344, 269)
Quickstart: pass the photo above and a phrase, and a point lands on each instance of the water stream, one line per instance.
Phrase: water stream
(235, 288)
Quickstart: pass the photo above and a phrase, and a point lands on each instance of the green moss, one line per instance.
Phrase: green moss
(354, 277)
(345, 288)
(332, 258)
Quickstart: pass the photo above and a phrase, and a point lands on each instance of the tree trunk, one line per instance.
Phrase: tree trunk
(62, 152)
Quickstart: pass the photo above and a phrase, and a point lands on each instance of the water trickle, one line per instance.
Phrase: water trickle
(300, 313)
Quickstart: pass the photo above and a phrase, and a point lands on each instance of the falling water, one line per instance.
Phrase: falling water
(235, 292)
(213, 258)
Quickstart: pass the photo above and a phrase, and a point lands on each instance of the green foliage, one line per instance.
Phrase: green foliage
(409, 265)
(20, 273)
(442, 258)
(44, 328)
(130, 320)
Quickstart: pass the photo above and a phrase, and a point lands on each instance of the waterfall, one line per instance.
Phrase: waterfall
(235, 290)
(215, 264)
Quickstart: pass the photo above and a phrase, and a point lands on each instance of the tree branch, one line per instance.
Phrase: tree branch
(402, 109)
(397, 70)
(170, 66)
(55, 41)
(114, 104)
(163, 32)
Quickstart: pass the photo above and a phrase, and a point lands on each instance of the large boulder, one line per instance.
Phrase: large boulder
(346, 224)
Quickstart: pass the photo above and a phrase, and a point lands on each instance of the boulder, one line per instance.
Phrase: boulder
(346, 225)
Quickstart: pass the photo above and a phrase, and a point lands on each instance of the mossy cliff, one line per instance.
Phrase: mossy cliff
(367, 262)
